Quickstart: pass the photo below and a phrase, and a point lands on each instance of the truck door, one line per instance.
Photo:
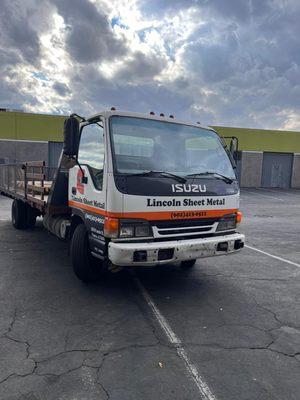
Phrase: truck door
(87, 183)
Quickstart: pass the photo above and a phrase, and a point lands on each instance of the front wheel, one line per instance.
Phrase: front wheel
(85, 267)
(188, 264)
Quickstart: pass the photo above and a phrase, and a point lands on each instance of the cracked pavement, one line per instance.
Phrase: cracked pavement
(238, 318)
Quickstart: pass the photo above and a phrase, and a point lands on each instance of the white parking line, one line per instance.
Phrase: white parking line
(288, 192)
(261, 194)
(192, 371)
(271, 190)
(273, 256)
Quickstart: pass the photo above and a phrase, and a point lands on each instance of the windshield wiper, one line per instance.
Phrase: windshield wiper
(161, 173)
(216, 174)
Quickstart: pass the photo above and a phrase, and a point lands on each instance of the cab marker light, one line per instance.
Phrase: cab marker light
(152, 113)
(171, 116)
(161, 114)
(113, 109)
(111, 227)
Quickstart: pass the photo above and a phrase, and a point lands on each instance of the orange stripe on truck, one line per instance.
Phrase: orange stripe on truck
(155, 215)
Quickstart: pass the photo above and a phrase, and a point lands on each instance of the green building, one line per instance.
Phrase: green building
(268, 158)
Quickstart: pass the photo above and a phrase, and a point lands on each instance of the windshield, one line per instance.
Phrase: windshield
(142, 145)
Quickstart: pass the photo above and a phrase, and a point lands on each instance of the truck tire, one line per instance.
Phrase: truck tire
(18, 214)
(188, 264)
(85, 267)
(30, 217)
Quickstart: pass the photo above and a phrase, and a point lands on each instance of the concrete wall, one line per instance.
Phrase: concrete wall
(295, 182)
(12, 151)
(250, 163)
(251, 168)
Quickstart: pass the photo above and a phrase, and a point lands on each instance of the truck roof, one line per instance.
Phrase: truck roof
(109, 113)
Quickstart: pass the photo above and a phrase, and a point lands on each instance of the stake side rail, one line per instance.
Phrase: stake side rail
(30, 181)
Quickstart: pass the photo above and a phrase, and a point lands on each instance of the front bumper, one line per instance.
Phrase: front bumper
(125, 254)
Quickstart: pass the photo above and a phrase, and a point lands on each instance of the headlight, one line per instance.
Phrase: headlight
(227, 223)
(130, 229)
(142, 230)
(126, 231)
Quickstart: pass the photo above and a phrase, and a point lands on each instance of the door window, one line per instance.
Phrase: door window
(91, 152)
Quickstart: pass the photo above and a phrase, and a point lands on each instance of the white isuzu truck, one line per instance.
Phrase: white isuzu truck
(132, 190)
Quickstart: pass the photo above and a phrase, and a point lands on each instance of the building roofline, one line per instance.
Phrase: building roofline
(22, 112)
(254, 129)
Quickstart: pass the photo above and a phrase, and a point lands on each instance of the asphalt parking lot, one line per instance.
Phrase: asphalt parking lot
(235, 320)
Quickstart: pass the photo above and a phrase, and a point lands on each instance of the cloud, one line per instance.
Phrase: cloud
(61, 88)
(21, 26)
(140, 67)
(225, 62)
(16, 33)
(89, 35)
(238, 10)
(213, 62)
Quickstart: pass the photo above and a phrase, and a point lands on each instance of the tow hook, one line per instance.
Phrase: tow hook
(223, 246)
(238, 244)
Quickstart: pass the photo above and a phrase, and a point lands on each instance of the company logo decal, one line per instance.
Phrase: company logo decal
(79, 184)
(188, 202)
(188, 188)
(86, 202)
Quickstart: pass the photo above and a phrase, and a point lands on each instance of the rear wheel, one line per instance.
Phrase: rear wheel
(30, 217)
(188, 264)
(86, 267)
(18, 214)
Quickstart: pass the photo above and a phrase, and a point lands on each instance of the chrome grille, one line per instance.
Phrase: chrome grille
(184, 228)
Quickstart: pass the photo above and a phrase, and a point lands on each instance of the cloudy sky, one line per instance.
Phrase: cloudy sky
(222, 62)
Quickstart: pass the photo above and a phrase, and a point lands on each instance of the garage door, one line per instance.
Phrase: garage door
(277, 170)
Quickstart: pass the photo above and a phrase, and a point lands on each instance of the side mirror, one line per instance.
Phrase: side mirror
(71, 136)
(233, 146)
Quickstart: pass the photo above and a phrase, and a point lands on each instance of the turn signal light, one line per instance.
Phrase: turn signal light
(239, 217)
(111, 227)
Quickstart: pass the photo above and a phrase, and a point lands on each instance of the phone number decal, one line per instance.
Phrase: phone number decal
(188, 214)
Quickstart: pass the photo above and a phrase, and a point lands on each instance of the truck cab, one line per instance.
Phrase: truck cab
(145, 190)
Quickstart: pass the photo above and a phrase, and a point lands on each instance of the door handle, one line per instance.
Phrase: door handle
(74, 190)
